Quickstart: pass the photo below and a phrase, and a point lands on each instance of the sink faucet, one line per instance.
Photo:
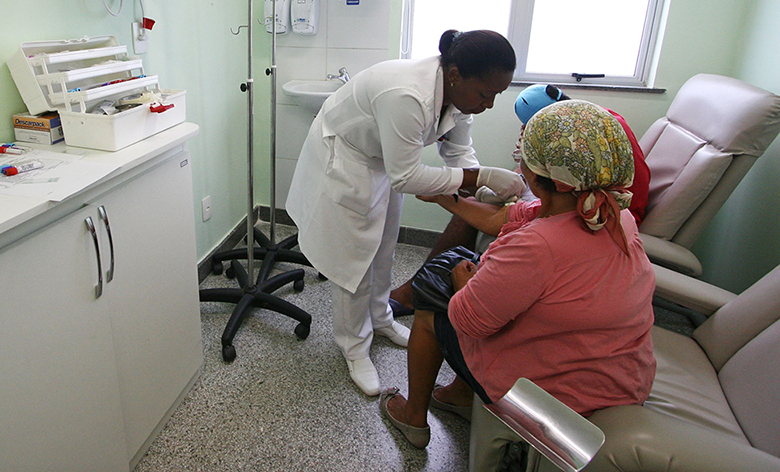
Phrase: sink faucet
(343, 75)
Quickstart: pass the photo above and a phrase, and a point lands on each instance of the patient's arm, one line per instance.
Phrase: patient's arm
(485, 217)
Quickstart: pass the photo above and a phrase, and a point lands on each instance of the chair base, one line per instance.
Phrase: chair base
(259, 294)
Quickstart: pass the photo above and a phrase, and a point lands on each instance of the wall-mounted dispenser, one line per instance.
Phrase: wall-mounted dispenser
(282, 16)
(305, 16)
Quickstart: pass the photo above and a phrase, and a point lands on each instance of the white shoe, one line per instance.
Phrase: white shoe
(364, 375)
(396, 332)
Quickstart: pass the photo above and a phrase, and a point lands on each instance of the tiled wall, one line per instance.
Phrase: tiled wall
(351, 36)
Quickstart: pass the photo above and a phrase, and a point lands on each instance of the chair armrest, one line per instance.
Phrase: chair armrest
(639, 439)
(691, 293)
(671, 255)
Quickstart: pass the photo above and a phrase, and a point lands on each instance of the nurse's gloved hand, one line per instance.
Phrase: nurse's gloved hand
(485, 195)
(504, 183)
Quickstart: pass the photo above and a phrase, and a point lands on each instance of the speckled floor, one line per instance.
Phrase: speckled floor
(289, 404)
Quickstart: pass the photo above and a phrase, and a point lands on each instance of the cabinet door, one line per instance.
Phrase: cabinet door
(153, 296)
(60, 405)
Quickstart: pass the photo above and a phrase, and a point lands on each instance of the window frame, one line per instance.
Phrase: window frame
(519, 33)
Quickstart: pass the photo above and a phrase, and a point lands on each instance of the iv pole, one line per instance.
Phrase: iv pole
(258, 294)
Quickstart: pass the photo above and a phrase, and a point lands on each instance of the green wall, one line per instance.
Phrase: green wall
(742, 242)
(192, 48)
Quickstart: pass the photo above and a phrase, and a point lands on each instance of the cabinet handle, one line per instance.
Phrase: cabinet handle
(91, 228)
(104, 217)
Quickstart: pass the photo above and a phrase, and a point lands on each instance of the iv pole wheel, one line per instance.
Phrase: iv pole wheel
(230, 273)
(216, 268)
(228, 353)
(302, 331)
(298, 285)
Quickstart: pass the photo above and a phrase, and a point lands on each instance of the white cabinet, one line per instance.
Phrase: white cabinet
(86, 381)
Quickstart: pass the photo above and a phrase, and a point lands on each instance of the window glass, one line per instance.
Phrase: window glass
(431, 20)
(552, 38)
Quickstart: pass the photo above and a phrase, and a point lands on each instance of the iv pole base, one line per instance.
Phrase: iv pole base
(256, 296)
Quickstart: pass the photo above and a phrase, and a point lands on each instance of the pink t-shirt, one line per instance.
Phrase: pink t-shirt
(563, 306)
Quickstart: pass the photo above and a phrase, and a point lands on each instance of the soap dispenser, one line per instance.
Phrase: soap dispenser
(305, 16)
(282, 16)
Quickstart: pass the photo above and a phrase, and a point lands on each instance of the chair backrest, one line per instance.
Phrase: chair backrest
(714, 131)
(742, 340)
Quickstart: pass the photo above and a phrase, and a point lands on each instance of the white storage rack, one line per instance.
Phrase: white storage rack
(73, 76)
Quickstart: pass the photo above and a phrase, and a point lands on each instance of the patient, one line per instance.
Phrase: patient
(562, 297)
(459, 233)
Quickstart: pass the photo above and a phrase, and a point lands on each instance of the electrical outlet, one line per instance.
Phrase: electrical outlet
(140, 38)
(205, 206)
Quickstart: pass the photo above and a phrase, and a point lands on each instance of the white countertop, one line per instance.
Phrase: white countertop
(17, 212)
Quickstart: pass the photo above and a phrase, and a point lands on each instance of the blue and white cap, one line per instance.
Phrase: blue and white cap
(534, 98)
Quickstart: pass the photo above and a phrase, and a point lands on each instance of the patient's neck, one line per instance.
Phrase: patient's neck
(556, 203)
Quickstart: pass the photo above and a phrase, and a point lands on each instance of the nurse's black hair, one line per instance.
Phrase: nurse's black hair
(477, 53)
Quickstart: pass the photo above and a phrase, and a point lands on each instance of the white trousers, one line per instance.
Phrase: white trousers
(357, 315)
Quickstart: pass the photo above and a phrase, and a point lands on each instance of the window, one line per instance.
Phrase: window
(606, 42)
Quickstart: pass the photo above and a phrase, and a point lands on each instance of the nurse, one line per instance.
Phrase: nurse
(363, 152)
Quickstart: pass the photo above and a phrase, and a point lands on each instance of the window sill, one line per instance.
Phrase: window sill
(605, 88)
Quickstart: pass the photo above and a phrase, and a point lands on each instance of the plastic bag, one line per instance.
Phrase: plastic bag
(432, 284)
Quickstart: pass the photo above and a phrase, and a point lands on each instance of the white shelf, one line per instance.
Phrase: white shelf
(98, 70)
(80, 55)
(84, 96)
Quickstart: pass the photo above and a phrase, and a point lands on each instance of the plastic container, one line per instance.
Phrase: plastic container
(74, 76)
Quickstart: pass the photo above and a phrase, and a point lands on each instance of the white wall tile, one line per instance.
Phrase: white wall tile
(284, 173)
(364, 26)
(292, 126)
(298, 64)
(354, 60)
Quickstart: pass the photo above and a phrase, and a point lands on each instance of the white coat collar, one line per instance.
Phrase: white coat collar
(447, 122)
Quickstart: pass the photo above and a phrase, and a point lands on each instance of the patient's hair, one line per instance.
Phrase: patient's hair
(477, 53)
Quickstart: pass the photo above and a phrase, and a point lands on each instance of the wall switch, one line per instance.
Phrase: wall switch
(140, 39)
(205, 205)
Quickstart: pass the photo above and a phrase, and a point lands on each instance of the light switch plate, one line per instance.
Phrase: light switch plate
(139, 46)
(205, 206)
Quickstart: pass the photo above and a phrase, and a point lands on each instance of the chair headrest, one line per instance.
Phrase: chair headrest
(732, 115)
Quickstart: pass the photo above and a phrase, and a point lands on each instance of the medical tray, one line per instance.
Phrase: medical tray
(74, 77)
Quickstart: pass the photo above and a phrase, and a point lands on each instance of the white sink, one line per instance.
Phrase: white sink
(310, 94)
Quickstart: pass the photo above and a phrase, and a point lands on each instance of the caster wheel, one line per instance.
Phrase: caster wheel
(321, 277)
(216, 268)
(298, 285)
(302, 331)
(228, 353)
(230, 273)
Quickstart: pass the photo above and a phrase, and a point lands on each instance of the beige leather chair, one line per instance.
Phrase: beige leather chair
(714, 402)
(715, 129)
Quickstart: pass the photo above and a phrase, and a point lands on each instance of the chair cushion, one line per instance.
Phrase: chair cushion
(744, 119)
(685, 170)
(751, 381)
(686, 386)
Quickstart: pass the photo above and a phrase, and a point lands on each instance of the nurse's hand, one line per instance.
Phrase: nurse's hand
(462, 273)
(504, 183)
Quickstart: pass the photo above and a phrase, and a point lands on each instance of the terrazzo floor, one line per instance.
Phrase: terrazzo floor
(287, 404)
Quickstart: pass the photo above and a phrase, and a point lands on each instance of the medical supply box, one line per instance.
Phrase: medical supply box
(104, 99)
(41, 129)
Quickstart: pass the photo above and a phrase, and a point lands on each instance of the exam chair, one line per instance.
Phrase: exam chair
(713, 405)
(715, 129)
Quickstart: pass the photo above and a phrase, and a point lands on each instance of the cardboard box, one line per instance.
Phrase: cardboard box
(41, 129)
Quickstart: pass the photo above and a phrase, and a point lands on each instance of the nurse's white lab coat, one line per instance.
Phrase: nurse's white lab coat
(365, 143)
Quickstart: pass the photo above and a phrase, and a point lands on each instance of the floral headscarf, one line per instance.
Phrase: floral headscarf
(584, 150)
